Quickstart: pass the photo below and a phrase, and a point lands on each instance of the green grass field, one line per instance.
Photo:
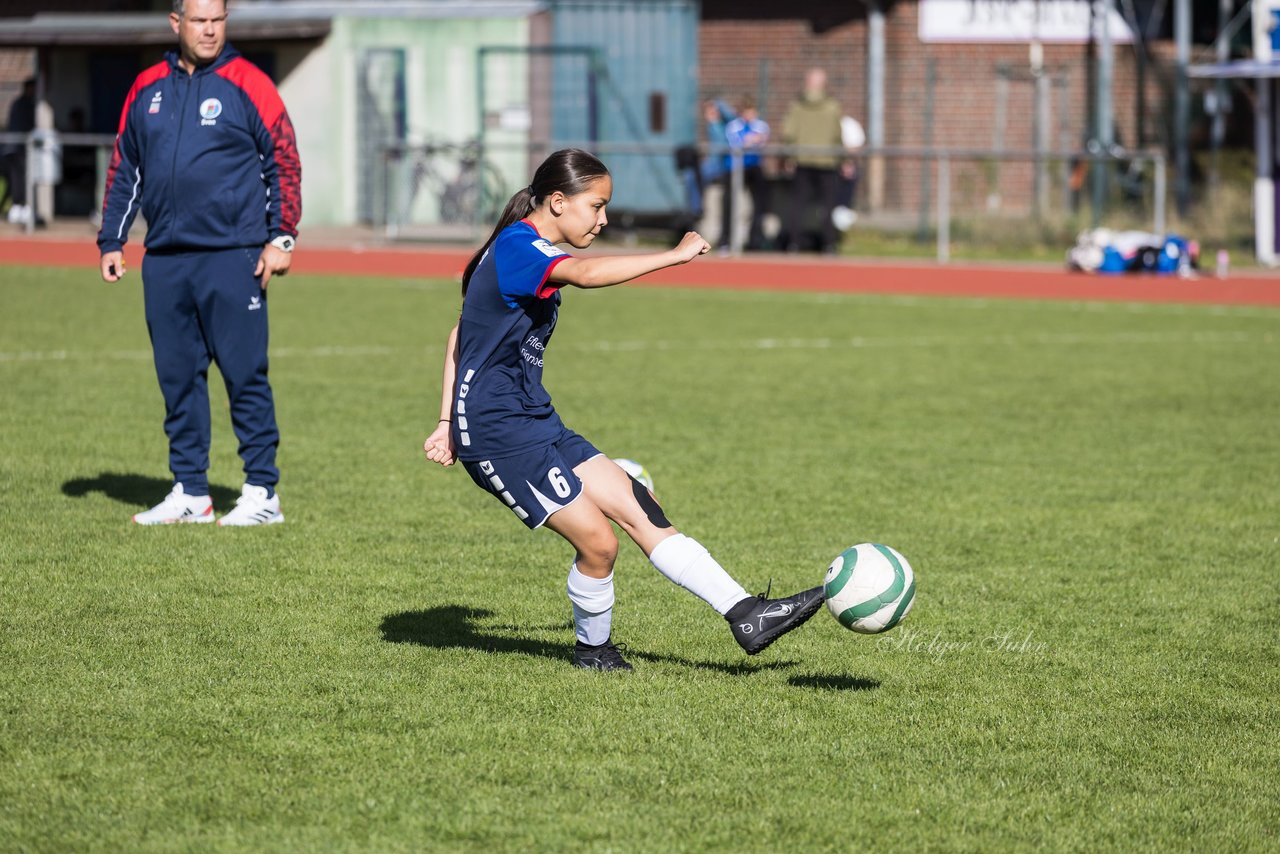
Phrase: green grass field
(1088, 494)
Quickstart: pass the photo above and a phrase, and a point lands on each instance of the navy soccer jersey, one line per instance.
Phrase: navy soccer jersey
(508, 316)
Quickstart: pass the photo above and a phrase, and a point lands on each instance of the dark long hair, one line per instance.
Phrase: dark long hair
(569, 170)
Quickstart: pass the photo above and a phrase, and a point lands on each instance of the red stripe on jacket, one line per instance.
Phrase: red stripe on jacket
(146, 78)
(266, 100)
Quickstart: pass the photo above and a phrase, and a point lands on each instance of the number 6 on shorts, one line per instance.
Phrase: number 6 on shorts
(558, 483)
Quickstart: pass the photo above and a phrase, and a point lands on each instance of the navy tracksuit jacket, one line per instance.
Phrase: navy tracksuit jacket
(210, 160)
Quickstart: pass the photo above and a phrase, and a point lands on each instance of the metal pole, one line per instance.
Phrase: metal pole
(1160, 194)
(1040, 127)
(1264, 197)
(1065, 141)
(1140, 55)
(762, 85)
(735, 201)
(478, 213)
(1043, 110)
(593, 100)
(1222, 52)
(922, 232)
(42, 122)
(390, 207)
(1182, 105)
(102, 162)
(1264, 202)
(875, 103)
(1000, 123)
(29, 152)
(944, 210)
(1102, 104)
(1275, 190)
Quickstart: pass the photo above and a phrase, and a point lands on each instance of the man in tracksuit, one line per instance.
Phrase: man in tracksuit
(206, 151)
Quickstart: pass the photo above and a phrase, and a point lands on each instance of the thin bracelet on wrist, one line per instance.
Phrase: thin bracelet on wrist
(445, 421)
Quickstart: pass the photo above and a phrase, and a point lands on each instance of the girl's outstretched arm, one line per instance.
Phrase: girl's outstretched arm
(439, 445)
(601, 272)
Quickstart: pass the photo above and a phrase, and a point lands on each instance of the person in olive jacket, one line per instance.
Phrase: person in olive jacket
(813, 120)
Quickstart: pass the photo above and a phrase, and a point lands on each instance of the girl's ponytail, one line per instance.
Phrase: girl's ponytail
(520, 206)
(569, 171)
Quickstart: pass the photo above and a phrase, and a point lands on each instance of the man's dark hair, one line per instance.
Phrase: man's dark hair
(180, 6)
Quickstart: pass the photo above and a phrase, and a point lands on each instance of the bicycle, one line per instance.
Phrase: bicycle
(472, 192)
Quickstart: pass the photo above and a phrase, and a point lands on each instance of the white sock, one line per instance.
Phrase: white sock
(592, 600)
(683, 560)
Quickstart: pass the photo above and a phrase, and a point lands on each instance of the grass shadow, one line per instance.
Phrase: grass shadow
(834, 683)
(137, 489)
(454, 627)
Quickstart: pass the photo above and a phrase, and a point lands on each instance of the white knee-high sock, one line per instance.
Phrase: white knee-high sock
(684, 560)
(592, 600)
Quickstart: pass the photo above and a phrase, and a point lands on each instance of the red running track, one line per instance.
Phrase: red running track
(756, 272)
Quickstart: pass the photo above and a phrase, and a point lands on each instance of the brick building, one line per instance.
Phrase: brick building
(955, 94)
(982, 94)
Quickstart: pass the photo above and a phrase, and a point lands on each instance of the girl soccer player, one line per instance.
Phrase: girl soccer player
(496, 417)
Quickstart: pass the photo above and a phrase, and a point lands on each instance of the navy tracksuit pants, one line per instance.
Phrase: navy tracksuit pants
(207, 306)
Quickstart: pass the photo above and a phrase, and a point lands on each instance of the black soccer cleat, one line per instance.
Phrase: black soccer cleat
(759, 621)
(606, 656)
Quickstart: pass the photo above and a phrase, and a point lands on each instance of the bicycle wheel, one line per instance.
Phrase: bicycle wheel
(475, 195)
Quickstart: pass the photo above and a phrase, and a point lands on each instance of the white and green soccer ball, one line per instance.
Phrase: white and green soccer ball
(870, 588)
(636, 470)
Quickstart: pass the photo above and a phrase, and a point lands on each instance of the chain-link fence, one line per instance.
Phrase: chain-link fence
(456, 190)
(927, 190)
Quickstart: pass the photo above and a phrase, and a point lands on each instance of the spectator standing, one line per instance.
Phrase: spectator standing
(206, 150)
(844, 215)
(748, 133)
(22, 119)
(813, 120)
(689, 169)
(717, 115)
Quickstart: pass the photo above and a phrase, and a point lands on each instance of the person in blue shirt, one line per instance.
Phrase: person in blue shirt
(747, 133)
(498, 419)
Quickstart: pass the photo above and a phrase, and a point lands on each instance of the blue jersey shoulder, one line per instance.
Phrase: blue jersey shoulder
(523, 260)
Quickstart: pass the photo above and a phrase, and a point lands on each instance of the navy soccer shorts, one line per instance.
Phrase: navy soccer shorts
(538, 483)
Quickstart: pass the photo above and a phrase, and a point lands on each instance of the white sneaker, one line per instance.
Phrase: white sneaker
(253, 507)
(178, 507)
